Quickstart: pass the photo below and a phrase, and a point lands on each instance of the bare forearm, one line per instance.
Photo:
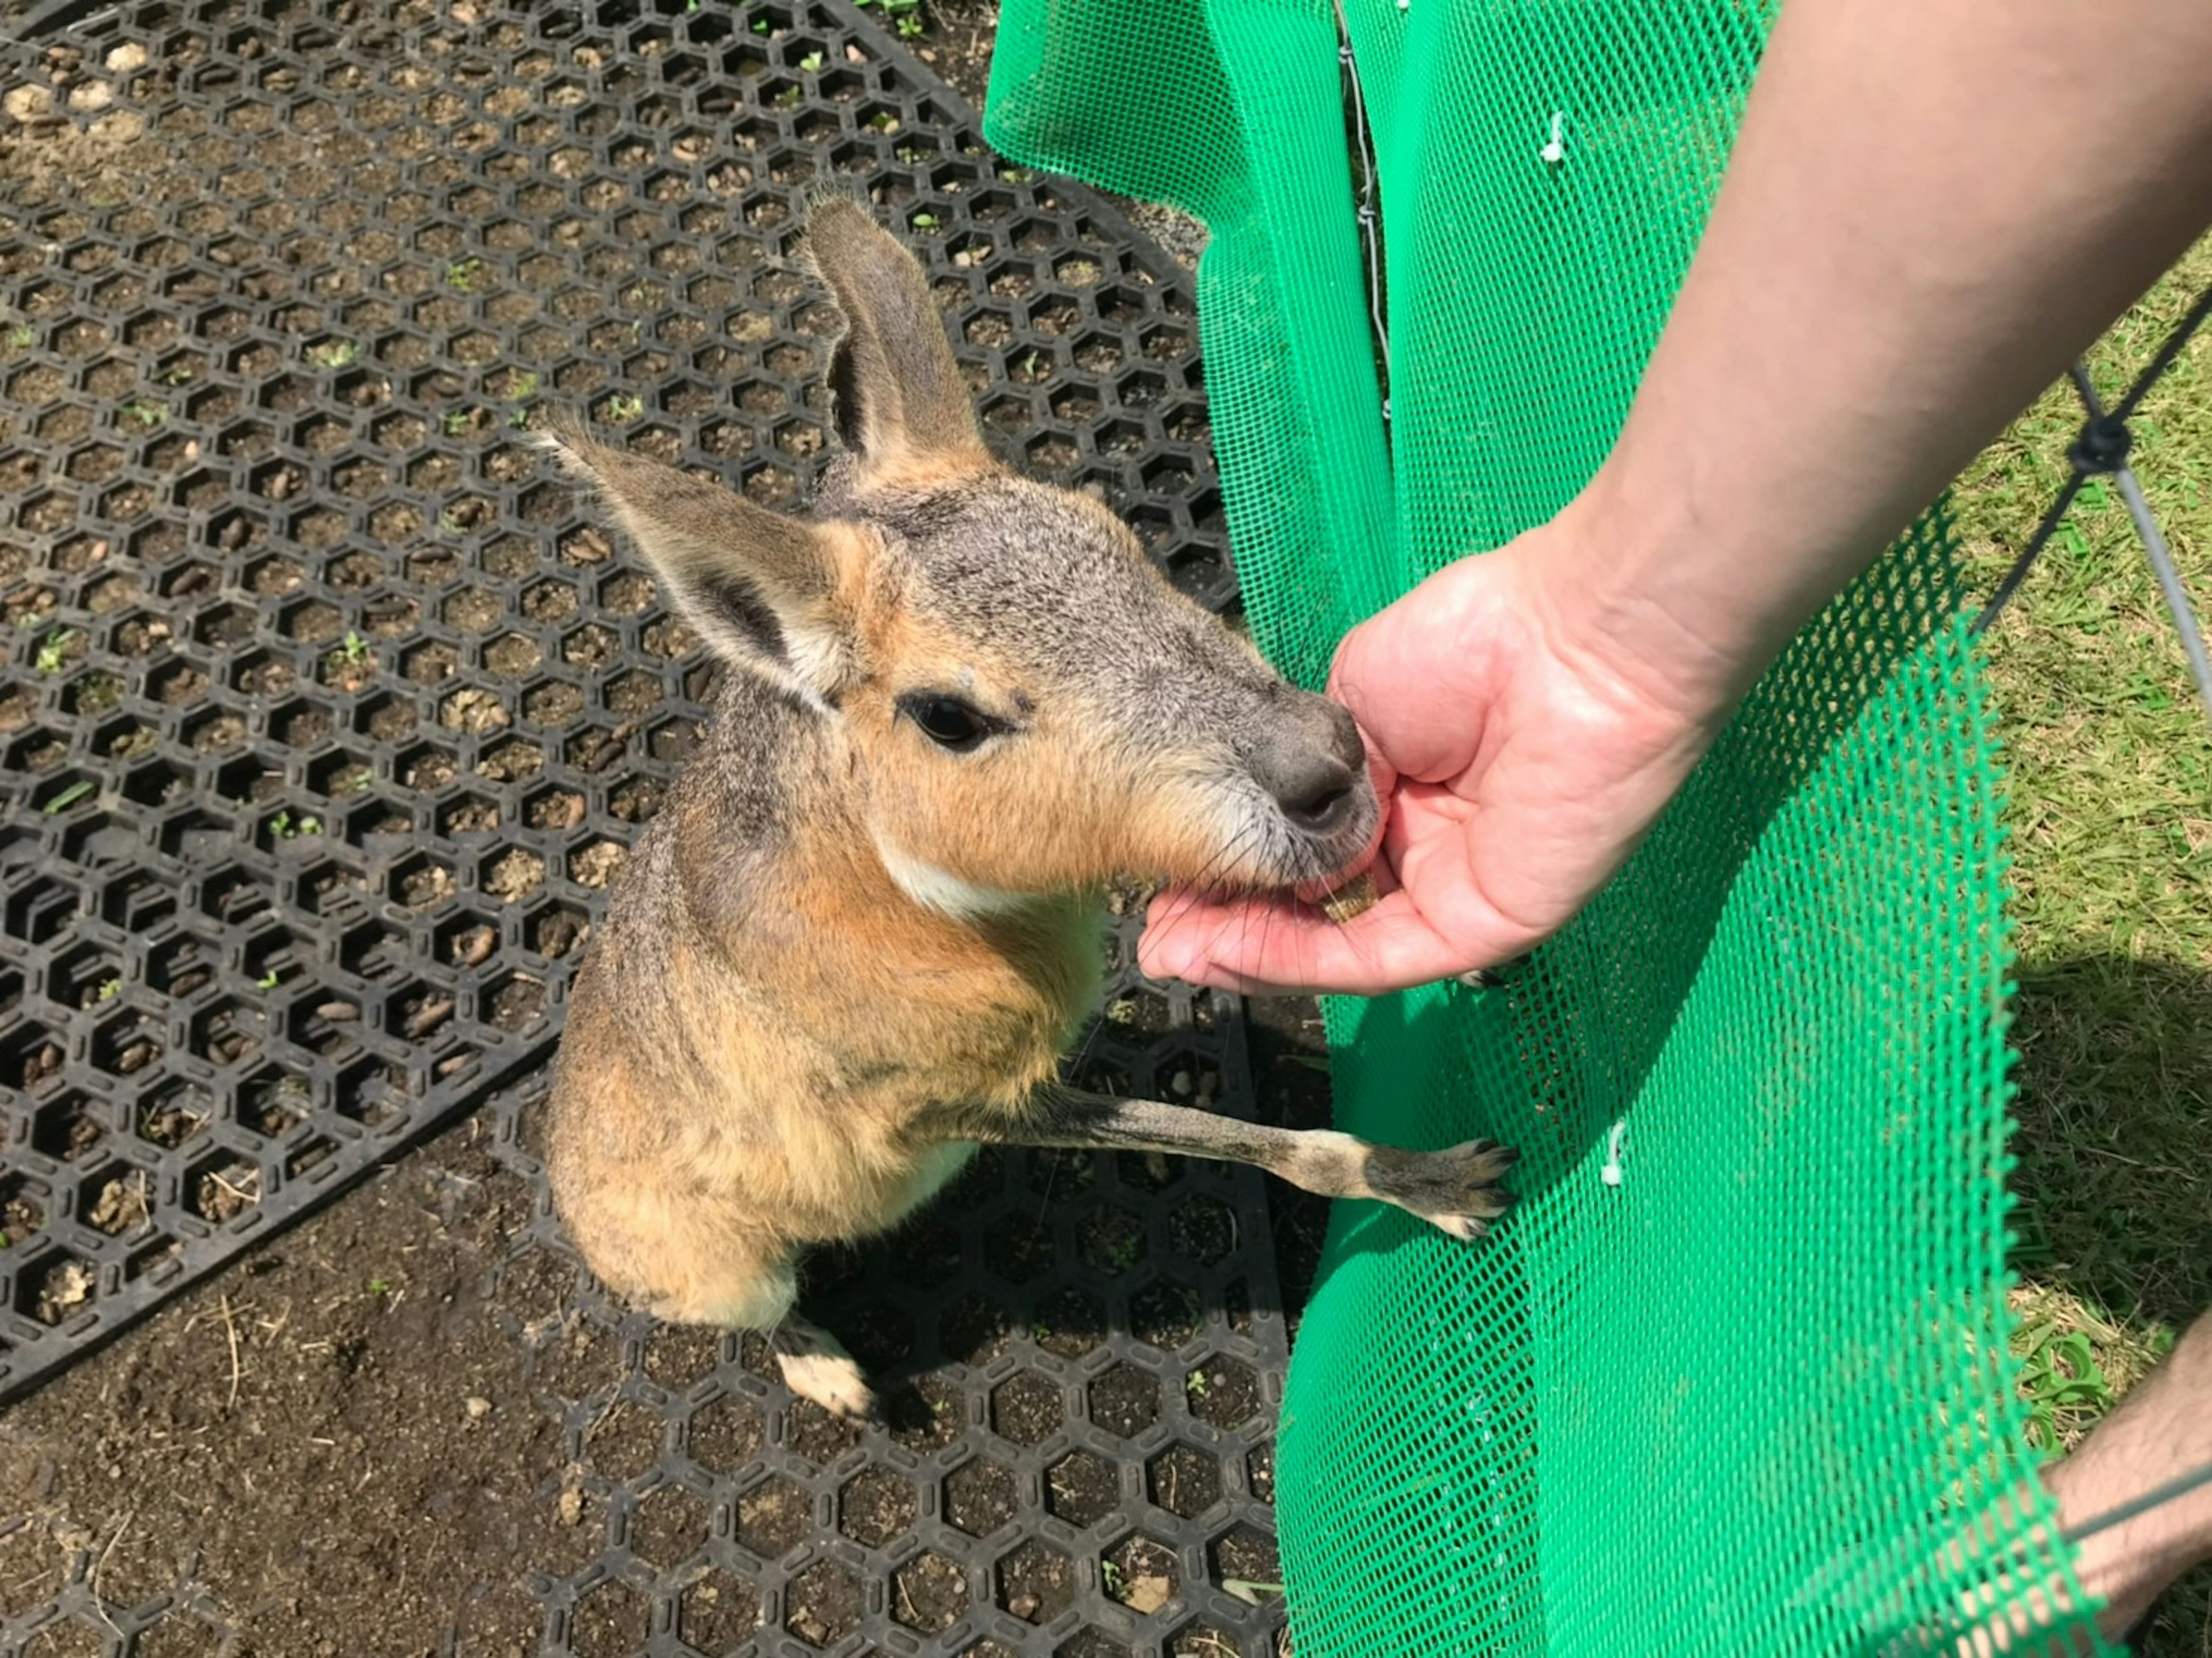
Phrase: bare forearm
(2162, 1433)
(1933, 205)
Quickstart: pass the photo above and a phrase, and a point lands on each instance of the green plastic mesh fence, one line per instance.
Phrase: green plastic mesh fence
(1735, 1377)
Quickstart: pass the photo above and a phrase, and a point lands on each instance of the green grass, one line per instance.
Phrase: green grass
(2109, 761)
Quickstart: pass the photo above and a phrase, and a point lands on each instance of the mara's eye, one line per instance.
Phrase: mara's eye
(948, 722)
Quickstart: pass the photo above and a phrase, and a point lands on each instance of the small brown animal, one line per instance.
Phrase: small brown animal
(864, 925)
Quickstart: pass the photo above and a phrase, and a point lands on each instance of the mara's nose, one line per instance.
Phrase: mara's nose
(1311, 769)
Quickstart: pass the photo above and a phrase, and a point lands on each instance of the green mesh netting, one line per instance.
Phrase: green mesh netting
(1755, 1396)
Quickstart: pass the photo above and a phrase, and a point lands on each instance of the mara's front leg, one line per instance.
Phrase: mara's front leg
(1456, 1189)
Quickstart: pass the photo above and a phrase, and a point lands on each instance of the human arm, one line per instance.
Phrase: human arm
(1932, 206)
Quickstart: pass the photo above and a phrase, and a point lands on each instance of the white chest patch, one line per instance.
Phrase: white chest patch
(947, 894)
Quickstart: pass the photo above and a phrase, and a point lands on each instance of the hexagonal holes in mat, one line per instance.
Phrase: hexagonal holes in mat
(1068, 1323)
(1019, 1246)
(668, 1526)
(69, 1128)
(611, 1621)
(624, 1443)
(1124, 1400)
(118, 1199)
(876, 1507)
(1060, 1172)
(175, 1113)
(221, 1186)
(929, 1593)
(718, 1611)
(811, 1432)
(56, 1288)
(1202, 1230)
(1247, 1558)
(1035, 1582)
(823, 1604)
(679, 1355)
(1140, 1572)
(980, 1497)
(1165, 1314)
(1184, 1480)
(1204, 1641)
(1026, 1408)
(774, 1517)
(1224, 1392)
(726, 1434)
(25, 1204)
(1082, 1488)
(1111, 1239)
(30, 1056)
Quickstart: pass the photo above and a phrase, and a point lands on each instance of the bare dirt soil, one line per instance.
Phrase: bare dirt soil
(331, 1446)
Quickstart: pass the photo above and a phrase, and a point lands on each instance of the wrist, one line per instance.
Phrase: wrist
(1606, 584)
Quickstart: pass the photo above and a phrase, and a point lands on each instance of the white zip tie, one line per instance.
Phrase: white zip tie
(1556, 151)
(1611, 1173)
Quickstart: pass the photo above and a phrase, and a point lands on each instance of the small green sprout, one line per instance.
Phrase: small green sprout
(909, 27)
(456, 422)
(355, 647)
(180, 375)
(1110, 1575)
(924, 221)
(23, 337)
(760, 25)
(1040, 1333)
(108, 991)
(377, 1286)
(623, 406)
(68, 796)
(526, 384)
(1195, 1384)
(53, 650)
(811, 62)
(144, 411)
(519, 419)
(285, 827)
(268, 980)
(336, 354)
(462, 274)
(449, 521)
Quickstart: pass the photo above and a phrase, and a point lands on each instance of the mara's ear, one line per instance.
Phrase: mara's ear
(896, 393)
(761, 588)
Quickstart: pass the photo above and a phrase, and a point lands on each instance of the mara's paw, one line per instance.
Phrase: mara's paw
(832, 1380)
(816, 1366)
(1456, 1190)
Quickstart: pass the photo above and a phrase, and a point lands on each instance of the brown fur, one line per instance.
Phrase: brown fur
(845, 951)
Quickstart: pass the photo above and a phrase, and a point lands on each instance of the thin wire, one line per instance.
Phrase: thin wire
(2169, 582)
(2018, 573)
(1370, 219)
(2157, 1498)
(2154, 539)
(2166, 353)
(2192, 639)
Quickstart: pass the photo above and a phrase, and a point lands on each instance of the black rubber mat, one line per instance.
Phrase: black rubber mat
(327, 716)
(1079, 1393)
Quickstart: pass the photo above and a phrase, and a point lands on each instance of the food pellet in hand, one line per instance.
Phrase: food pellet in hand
(1352, 900)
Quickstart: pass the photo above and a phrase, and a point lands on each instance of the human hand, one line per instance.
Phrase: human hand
(1519, 760)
